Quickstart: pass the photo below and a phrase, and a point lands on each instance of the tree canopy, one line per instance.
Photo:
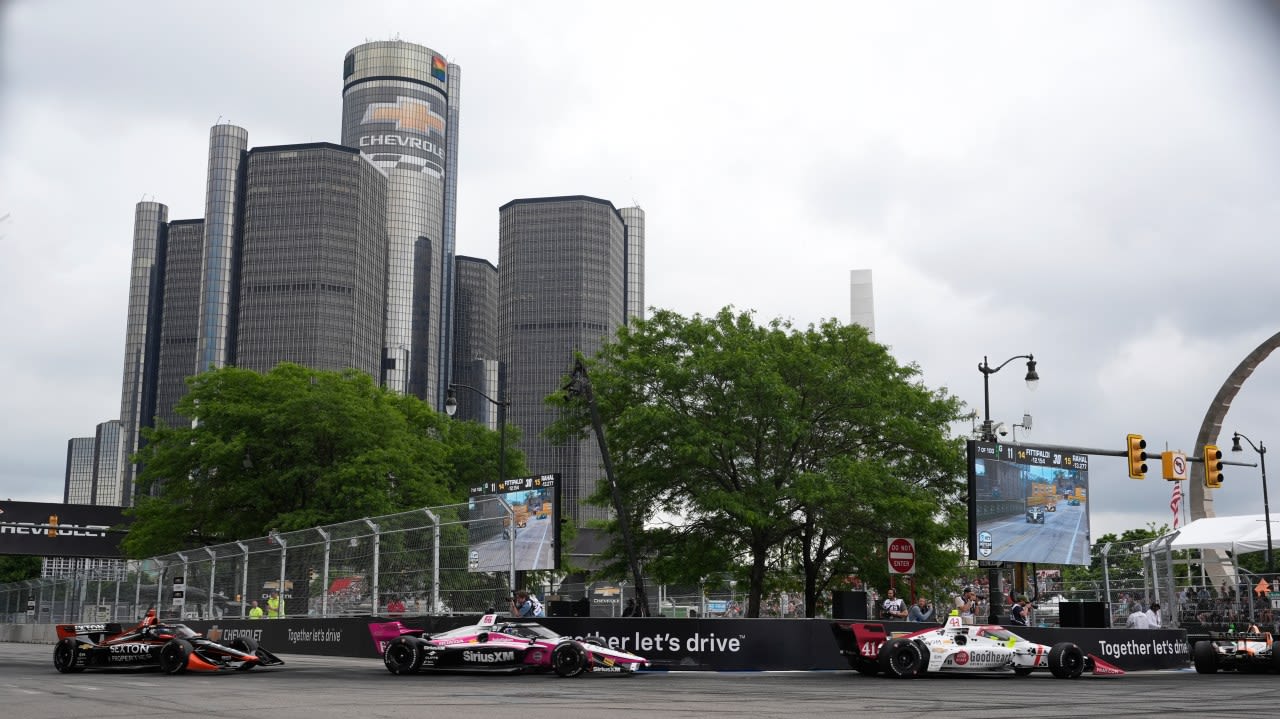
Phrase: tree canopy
(765, 452)
(297, 448)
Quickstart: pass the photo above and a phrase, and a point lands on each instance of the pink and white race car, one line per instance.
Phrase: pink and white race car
(500, 646)
(956, 648)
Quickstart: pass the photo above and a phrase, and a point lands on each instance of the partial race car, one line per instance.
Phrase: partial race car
(959, 648)
(510, 646)
(1035, 514)
(1247, 652)
(175, 648)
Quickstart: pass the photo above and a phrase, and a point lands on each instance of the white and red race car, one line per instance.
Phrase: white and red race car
(956, 648)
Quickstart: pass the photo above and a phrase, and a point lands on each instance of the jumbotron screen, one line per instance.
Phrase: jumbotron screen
(1028, 504)
(523, 510)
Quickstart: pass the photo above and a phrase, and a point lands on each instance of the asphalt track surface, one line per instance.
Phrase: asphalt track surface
(311, 687)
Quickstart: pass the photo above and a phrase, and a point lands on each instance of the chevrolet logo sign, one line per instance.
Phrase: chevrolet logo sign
(407, 113)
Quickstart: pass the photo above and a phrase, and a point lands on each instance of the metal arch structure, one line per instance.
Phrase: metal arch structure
(1201, 503)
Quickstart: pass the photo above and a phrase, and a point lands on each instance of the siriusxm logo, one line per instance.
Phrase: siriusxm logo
(488, 657)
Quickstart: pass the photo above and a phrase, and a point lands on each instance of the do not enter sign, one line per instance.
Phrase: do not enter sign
(902, 556)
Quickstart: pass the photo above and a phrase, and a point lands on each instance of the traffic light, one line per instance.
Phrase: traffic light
(1212, 466)
(1137, 457)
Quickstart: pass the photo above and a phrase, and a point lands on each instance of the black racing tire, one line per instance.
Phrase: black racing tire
(1066, 660)
(65, 653)
(1205, 657)
(597, 640)
(1275, 658)
(901, 658)
(248, 645)
(569, 659)
(1023, 671)
(174, 655)
(866, 667)
(403, 656)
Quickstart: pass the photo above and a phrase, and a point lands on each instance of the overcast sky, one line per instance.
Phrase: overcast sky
(1094, 183)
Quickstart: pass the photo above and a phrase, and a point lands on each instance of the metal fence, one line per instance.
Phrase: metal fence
(439, 560)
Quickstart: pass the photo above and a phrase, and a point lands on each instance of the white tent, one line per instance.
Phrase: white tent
(1238, 534)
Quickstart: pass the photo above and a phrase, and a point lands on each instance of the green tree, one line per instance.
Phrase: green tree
(296, 448)
(15, 568)
(758, 451)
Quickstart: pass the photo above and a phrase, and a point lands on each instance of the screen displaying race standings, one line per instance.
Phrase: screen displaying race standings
(1028, 504)
(522, 511)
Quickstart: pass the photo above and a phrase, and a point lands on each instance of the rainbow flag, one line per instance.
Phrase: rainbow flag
(439, 68)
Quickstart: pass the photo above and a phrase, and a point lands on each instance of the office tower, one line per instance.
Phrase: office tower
(563, 270)
(633, 218)
(106, 464)
(137, 395)
(475, 339)
(227, 145)
(313, 260)
(180, 315)
(78, 488)
(400, 108)
(862, 310)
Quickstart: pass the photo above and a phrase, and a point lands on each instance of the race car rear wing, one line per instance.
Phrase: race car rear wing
(94, 632)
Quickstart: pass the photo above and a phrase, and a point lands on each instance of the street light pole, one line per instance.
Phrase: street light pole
(450, 408)
(1261, 449)
(994, 595)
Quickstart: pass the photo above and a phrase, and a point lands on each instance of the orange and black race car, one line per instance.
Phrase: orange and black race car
(175, 648)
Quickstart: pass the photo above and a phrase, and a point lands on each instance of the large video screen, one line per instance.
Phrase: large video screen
(1028, 504)
(522, 510)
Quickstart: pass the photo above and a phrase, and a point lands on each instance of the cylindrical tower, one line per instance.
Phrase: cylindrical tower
(150, 223)
(227, 147)
(399, 108)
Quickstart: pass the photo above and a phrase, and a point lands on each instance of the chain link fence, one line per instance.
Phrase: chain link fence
(439, 560)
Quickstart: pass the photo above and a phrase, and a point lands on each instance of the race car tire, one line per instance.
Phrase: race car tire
(597, 640)
(403, 656)
(1205, 657)
(1023, 671)
(568, 659)
(65, 653)
(901, 658)
(174, 656)
(247, 645)
(1275, 659)
(1066, 660)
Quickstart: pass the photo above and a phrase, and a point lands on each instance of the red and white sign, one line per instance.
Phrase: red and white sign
(902, 556)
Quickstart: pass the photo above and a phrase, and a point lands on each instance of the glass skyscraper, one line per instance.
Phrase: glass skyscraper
(400, 108)
(563, 274)
(475, 339)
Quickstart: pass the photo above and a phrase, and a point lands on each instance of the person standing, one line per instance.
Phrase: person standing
(921, 611)
(893, 607)
(1137, 619)
(275, 606)
(255, 611)
(1153, 616)
(967, 605)
(1018, 612)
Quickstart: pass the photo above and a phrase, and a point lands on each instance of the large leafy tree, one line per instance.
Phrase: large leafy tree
(296, 448)
(766, 451)
(15, 568)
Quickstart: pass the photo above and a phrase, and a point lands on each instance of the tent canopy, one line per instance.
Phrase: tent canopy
(1239, 534)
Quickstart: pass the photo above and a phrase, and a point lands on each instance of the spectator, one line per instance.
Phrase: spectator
(630, 609)
(921, 611)
(275, 606)
(255, 611)
(525, 604)
(893, 607)
(967, 605)
(395, 607)
(1137, 620)
(1153, 616)
(1019, 611)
